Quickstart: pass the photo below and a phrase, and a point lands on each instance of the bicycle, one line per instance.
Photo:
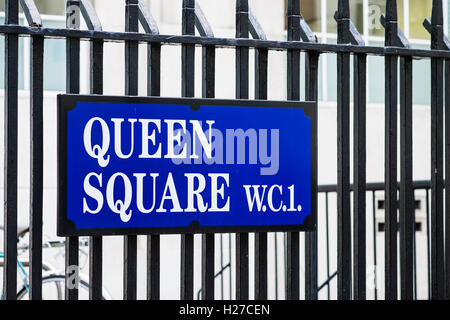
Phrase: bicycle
(53, 280)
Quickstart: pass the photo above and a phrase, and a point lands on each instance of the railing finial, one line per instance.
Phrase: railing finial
(435, 27)
(188, 17)
(293, 20)
(353, 33)
(400, 39)
(391, 24)
(391, 11)
(436, 14)
(241, 5)
(293, 7)
(342, 17)
(428, 27)
(343, 9)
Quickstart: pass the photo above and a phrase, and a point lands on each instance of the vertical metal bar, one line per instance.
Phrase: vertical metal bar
(131, 88)
(153, 267)
(242, 92)
(130, 266)
(374, 231)
(187, 85)
(285, 261)
(407, 217)
(242, 53)
(359, 176)
(96, 66)
(96, 243)
(10, 155)
(72, 86)
(208, 71)
(71, 292)
(187, 266)
(131, 48)
(261, 60)
(311, 94)
(275, 235)
(36, 165)
(293, 93)
(447, 176)
(292, 266)
(221, 266)
(242, 266)
(415, 264)
(231, 270)
(95, 268)
(328, 244)
(188, 51)
(293, 56)
(391, 154)
(208, 252)
(261, 266)
(343, 185)
(437, 248)
(437, 149)
(153, 241)
(427, 201)
(154, 70)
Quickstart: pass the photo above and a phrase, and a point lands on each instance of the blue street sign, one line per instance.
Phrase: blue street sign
(135, 165)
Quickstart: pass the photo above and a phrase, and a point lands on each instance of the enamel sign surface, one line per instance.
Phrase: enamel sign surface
(142, 165)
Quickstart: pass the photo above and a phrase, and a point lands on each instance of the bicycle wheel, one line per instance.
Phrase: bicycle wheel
(53, 287)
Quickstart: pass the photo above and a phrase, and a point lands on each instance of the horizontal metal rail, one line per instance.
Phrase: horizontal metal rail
(375, 186)
(222, 42)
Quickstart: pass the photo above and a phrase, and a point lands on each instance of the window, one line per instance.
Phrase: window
(418, 10)
(310, 10)
(53, 16)
(50, 7)
(365, 15)
(375, 9)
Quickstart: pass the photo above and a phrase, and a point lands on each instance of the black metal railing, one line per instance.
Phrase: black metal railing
(351, 252)
(376, 191)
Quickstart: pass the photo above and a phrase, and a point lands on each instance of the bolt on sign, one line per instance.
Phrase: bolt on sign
(143, 165)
